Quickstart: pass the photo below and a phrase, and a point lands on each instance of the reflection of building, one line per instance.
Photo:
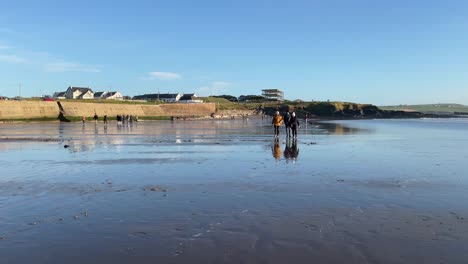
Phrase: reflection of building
(273, 95)
(79, 93)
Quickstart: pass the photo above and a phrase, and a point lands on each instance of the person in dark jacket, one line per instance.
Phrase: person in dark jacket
(287, 123)
(294, 124)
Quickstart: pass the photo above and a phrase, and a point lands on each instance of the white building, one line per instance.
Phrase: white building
(60, 95)
(273, 95)
(79, 93)
(190, 98)
(108, 95)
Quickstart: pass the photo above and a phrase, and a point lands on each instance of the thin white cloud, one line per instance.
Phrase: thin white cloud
(42, 60)
(165, 76)
(215, 88)
(13, 59)
(64, 66)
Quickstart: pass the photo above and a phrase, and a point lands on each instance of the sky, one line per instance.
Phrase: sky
(365, 51)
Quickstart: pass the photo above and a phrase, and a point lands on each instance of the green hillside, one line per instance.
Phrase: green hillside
(429, 108)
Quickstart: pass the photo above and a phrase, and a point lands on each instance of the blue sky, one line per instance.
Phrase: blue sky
(368, 51)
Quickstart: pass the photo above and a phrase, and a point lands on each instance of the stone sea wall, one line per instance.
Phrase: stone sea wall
(28, 109)
(40, 109)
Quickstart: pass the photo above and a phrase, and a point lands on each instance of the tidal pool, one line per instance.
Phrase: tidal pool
(225, 191)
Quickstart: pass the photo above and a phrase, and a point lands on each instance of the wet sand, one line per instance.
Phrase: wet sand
(383, 191)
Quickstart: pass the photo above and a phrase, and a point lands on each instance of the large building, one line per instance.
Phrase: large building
(273, 95)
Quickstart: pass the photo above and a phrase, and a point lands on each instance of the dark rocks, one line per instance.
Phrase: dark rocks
(158, 189)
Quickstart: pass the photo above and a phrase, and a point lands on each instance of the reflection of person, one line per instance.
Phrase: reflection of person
(287, 150)
(276, 150)
(287, 123)
(294, 150)
(291, 151)
(294, 124)
(277, 121)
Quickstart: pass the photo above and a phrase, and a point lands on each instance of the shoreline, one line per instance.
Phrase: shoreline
(90, 120)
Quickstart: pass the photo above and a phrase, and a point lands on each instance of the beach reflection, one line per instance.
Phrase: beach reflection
(276, 149)
(340, 128)
(191, 192)
(291, 152)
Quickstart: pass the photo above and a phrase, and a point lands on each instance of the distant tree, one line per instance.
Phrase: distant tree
(251, 98)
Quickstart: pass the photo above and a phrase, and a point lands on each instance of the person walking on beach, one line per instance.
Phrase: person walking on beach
(83, 119)
(294, 124)
(105, 119)
(95, 117)
(277, 121)
(287, 123)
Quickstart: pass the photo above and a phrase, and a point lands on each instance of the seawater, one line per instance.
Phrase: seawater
(225, 191)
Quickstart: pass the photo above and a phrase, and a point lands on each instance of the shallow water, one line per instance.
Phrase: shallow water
(224, 191)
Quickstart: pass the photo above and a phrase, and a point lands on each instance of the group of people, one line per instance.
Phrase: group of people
(122, 119)
(290, 121)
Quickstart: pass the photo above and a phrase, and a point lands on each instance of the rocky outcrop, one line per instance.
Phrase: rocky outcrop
(341, 110)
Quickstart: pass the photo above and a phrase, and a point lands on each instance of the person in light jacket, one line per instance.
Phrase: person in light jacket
(277, 121)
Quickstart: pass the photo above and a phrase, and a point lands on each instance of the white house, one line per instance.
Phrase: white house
(59, 95)
(190, 98)
(108, 95)
(79, 93)
(113, 95)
